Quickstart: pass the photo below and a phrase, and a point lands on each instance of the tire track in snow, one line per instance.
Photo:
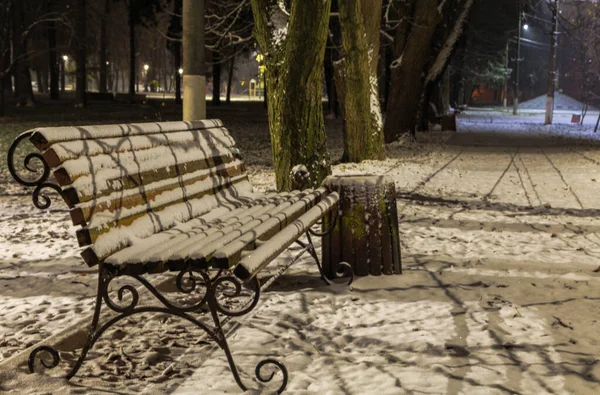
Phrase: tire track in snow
(512, 159)
(428, 178)
(521, 180)
(529, 178)
(548, 182)
(568, 186)
(560, 174)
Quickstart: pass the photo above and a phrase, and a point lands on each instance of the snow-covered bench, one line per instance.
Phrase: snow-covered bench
(171, 196)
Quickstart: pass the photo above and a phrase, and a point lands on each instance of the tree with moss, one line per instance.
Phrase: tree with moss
(293, 43)
(356, 79)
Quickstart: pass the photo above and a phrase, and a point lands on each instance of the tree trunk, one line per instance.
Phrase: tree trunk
(216, 96)
(294, 48)
(194, 79)
(81, 75)
(445, 92)
(265, 97)
(2, 94)
(408, 70)
(329, 79)
(52, 55)
(103, 55)
(6, 76)
(230, 78)
(63, 77)
(363, 135)
(132, 74)
(23, 89)
(441, 94)
(468, 92)
(388, 75)
(40, 81)
(460, 91)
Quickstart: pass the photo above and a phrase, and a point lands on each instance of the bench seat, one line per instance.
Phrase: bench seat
(165, 196)
(218, 238)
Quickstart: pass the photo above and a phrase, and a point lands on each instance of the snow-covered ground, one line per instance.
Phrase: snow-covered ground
(500, 235)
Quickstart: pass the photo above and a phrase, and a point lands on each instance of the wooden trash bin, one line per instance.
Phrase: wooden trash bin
(365, 234)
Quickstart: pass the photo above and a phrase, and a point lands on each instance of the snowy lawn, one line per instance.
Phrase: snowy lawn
(500, 294)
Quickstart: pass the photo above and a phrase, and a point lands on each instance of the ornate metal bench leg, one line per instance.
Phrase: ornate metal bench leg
(130, 308)
(343, 269)
(89, 342)
(216, 307)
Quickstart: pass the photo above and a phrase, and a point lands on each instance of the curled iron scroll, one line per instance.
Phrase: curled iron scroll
(225, 295)
(27, 163)
(277, 365)
(43, 349)
(40, 181)
(36, 195)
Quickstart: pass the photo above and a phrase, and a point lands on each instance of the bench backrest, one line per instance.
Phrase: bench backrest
(125, 182)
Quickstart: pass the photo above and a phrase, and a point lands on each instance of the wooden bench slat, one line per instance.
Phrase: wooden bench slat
(43, 138)
(151, 223)
(58, 153)
(181, 249)
(98, 167)
(229, 254)
(204, 252)
(144, 224)
(185, 231)
(99, 225)
(87, 188)
(111, 207)
(256, 260)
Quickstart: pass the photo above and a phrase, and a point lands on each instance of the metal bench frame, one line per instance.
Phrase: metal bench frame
(187, 280)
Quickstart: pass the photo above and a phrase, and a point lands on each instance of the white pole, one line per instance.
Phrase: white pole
(194, 79)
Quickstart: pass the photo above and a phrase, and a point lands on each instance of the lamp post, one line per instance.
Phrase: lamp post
(261, 76)
(194, 60)
(65, 59)
(516, 98)
(146, 82)
(506, 75)
(552, 76)
(178, 86)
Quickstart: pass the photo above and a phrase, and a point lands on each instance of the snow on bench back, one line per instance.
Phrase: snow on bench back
(126, 182)
(44, 137)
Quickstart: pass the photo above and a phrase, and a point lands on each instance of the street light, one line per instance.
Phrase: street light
(65, 59)
(146, 67)
(526, 27)
(261, 72)
(180, 71)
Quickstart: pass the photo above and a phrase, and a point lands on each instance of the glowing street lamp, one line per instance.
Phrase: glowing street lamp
(65, 59)
(526, 27)
(147, 83)
(180, 71)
